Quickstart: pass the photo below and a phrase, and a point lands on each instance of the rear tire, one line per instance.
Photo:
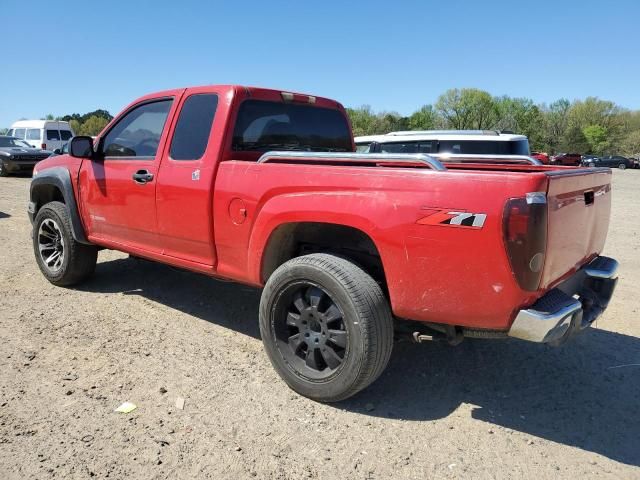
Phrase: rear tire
(326, 326)
(62, 260)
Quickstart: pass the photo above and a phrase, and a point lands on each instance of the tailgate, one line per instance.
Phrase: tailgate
(579, 207)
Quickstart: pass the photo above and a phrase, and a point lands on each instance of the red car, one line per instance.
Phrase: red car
(567, 159)
(542, 156)
(262, 187)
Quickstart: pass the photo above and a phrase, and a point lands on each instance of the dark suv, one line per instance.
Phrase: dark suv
(610, 161)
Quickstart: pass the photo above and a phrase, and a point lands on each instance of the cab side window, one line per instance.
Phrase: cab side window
(138, 133)
(192, 131)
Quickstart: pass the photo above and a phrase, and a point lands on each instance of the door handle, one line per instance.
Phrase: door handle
(142, 176)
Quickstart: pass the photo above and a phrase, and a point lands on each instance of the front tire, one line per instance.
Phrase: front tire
(62, 260)
(326, 326)
(3, 170)
(622, 166)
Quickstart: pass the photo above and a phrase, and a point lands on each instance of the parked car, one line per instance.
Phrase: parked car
(17, 156)
(615, 161)
(542, 156)
(568, 159)
(263, 187)
(62, 150)
(476, 142)
(44, 134)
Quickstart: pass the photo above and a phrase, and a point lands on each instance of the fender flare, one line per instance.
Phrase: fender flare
(276, 213)
(60, 178)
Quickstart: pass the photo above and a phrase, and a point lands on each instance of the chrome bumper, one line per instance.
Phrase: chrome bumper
(558, 314)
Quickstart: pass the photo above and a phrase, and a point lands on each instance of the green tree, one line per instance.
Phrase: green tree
(597, 137)
(93, 125)
(555, 123)
(630, 145)
(522, 116)
(426, 118)
(75, 126)
(467, 108)
(362, 120)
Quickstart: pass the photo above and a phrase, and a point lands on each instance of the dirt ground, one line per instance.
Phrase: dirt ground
(148, 334)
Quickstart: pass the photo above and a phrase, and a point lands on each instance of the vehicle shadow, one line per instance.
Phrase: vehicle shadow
(224, 303)
(584, 394)
(4, 215)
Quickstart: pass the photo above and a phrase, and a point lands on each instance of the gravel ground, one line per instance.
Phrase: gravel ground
(149, 334)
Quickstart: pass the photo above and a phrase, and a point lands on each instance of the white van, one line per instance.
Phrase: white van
(45, 134)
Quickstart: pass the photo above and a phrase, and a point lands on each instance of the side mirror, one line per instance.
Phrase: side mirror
(81, 147)
(57, 151)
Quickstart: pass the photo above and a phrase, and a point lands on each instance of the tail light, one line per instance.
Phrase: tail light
(525, 235)
(43, 146)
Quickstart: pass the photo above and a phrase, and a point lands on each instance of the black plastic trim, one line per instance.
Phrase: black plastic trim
(60, 178)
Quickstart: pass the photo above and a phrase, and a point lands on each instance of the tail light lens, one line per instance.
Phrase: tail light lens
(525, 235)
(43, 146)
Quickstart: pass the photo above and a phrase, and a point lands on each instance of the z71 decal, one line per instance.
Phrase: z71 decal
(447, 218)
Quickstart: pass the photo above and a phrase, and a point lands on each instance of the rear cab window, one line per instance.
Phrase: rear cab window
(191, 135)
(265, 125)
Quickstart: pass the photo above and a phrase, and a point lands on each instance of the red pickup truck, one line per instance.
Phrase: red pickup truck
(263, 187)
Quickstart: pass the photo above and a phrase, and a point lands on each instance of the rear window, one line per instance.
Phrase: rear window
(53, 135)
(192, 131)
(65, 134)
(480, 147)
(263, 125)
(33, 134)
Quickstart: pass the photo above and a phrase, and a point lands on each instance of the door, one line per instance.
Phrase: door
(118, 187)
(185, 181)
(52, 136)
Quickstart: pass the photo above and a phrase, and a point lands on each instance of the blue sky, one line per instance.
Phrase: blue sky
(391, 55)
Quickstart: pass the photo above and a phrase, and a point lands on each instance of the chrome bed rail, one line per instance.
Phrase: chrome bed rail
(434, 160)
(417, 159)
(484, 158)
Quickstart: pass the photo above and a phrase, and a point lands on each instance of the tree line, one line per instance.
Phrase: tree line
(589, 126)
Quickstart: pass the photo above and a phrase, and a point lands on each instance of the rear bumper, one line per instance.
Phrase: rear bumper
(559, 314)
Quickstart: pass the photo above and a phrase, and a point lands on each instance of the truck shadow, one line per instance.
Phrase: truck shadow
(227, 304)
(585, 394)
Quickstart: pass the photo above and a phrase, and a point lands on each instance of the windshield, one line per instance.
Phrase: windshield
(13, 142)
(263, 126)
